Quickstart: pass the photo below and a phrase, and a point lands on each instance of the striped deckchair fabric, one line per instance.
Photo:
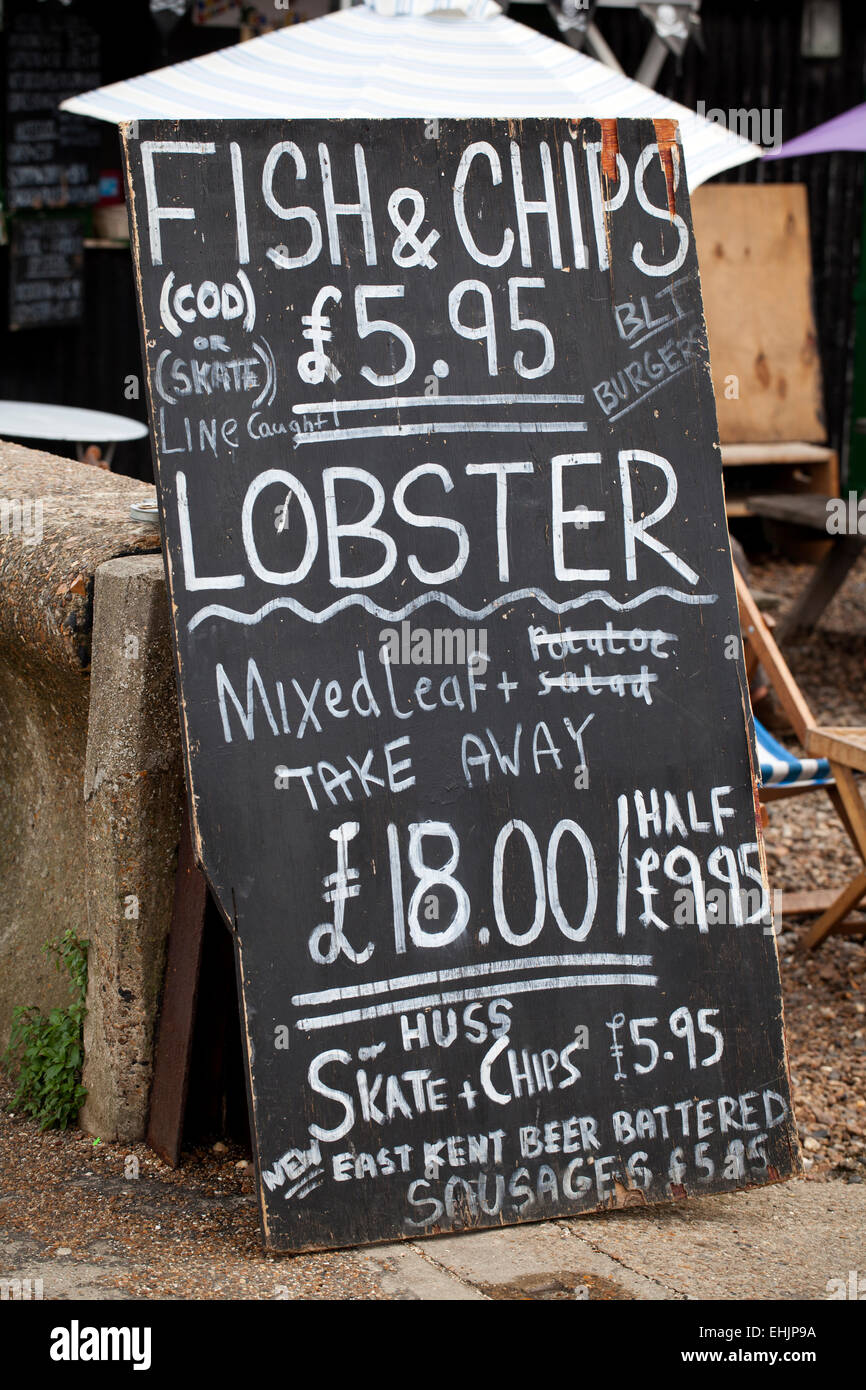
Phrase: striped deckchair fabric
(779, 768)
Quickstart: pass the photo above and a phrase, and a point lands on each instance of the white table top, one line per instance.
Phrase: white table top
(31, 420)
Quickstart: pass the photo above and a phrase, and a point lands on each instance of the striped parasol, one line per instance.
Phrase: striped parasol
(421, 58)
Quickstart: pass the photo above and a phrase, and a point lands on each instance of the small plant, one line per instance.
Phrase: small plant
(47, 1051)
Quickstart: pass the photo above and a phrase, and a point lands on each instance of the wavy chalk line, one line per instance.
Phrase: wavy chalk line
(395, 615)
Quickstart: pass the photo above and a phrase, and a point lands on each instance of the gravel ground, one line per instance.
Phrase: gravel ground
(130, 1227)
(187, 1233)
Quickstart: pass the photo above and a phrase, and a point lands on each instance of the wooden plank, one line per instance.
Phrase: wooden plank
(758, 635)
(177, 1015)
(842, 812)
(806, 509)
(784, 793)
(740, 455)
(453, 613)
(757, 282)
(846, 746)
(810, 901)
(829, 923)
(855, 812)
(824, 477)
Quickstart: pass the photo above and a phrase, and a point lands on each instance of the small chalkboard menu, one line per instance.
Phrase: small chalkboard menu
(461, 688)
(51, 156)
(46, 270)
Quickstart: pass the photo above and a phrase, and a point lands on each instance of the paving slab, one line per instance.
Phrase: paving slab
(786, 1242)
(28, 1271)
(783, 1242)
(539, 1261)
(404, 1272)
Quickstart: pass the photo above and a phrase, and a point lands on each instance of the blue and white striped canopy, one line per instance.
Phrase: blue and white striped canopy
(779, 768)
(401, 62)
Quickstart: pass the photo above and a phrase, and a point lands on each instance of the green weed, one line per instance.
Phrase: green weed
(46, 1052)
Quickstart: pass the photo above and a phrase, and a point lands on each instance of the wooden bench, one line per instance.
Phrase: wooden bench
(809, 511)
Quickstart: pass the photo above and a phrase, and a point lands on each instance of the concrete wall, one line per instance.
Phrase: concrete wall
(91, 782)
(43, 737)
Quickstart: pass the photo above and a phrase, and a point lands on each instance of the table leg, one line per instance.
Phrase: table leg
(837, 913)
(828, 577)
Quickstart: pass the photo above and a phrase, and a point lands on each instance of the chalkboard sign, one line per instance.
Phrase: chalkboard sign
(46, 270)
(51, 156)
(461, 689)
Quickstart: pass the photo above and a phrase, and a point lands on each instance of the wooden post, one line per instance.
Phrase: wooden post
(177, 1017)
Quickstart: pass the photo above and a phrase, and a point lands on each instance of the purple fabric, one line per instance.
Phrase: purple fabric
(845, 132)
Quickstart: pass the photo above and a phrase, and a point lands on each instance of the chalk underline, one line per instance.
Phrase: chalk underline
(396, 615)
(442, 427)
(428, 402)
(462, 972)
(462, 996)
(646, 395)
(660, 328)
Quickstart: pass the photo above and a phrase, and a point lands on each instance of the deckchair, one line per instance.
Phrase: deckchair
(782, 774)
